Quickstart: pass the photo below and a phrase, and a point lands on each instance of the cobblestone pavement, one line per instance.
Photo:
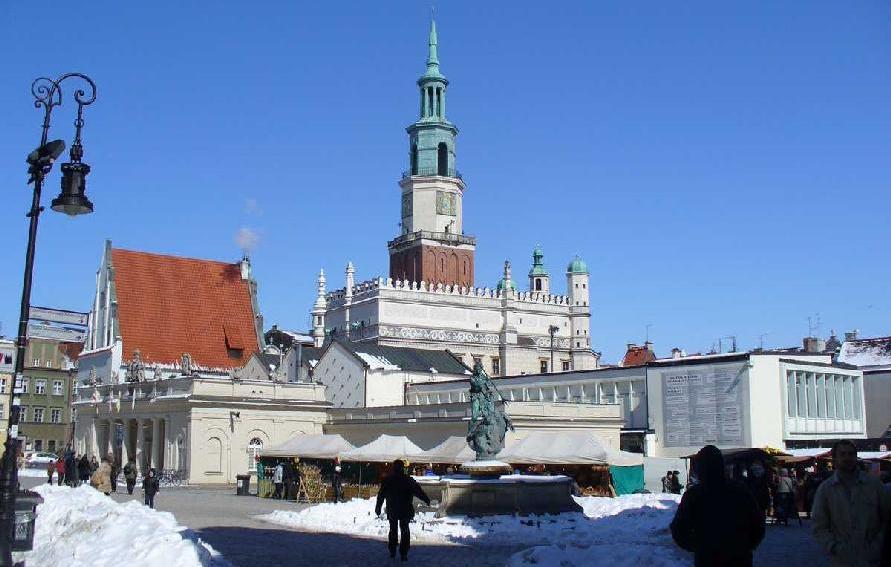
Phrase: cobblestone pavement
(226, 522)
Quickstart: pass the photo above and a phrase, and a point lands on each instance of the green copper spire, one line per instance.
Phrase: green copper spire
(432, 58)
(538, 268)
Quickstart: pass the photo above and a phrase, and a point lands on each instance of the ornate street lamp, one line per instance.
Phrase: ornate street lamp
(72, 201)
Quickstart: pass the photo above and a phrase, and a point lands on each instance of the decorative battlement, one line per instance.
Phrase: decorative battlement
(369, 288)
(445, 237)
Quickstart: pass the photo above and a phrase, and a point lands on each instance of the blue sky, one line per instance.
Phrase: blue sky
(723, 167)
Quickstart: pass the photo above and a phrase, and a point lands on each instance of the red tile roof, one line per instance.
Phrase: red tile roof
(169, 305)
(638, 355)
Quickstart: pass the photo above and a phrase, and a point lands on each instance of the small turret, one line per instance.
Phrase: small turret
(577, 280)
(539, 279)
(318, 313)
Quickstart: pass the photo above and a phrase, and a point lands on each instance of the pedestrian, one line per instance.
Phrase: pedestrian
(94, 464)
(50, 469)
(717, 519)
(115, 471)
(759, 487)
(851, 512)
(60, 470)
(337, 484)
(70, 467)
(675, 482)
(398, 491)
(130, 475)
(83, 470)
(150, 487)
(101, 479)
(785, 501)
(667, 485)
(277, 478)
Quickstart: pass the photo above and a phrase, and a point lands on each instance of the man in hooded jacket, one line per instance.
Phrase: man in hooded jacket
(399, 490)
(717, 519)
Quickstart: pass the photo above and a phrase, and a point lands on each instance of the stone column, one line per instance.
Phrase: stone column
(92, 438)
(125, 445)
(140, 447)
(156, 442)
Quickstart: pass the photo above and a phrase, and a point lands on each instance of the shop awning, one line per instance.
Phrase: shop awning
(452, 451)
(384, 449)
(310, 446)
(566, 448)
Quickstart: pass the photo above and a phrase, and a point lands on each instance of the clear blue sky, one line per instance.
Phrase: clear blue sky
(723, 167)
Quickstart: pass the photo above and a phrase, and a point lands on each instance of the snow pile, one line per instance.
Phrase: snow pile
(628, 530)
(82, 527)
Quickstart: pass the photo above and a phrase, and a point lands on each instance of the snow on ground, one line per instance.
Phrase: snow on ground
(29, 472)
(628, 530)
(83, 527)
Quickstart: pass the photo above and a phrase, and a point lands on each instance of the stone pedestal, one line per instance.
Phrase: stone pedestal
(506, 494)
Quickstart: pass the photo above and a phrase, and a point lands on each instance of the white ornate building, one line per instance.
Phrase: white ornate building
(430, 300)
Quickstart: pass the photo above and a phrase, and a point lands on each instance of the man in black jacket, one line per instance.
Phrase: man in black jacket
(398, 490)
(717, 519)
(150, 486)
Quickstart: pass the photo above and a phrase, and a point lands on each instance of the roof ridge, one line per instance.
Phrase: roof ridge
(188, 258)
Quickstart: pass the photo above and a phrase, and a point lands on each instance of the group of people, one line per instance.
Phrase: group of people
(671, 482)
(722, 519)
(71, 469)
(285, 479)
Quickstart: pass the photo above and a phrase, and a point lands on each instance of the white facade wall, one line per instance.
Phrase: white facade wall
(471, 322)
(877, 395)
(343, 376)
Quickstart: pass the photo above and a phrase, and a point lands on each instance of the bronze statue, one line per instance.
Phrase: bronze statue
(489, 421)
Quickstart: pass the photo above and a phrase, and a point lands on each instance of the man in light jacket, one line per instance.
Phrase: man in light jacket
(851, 512)
(277, 478)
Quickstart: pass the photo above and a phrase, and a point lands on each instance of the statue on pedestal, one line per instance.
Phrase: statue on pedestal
(136, 369)
(489, 421)
(185, 364)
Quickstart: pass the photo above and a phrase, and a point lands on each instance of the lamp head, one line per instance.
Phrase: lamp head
(73, 199)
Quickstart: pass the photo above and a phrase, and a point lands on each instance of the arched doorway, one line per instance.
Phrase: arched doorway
(253, 450)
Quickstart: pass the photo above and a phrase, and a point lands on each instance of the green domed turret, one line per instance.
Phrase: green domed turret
(577, 266)
(500, 286)
(538, 268)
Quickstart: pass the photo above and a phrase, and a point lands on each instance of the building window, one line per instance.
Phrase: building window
(496, 366)
(565, 366)
(51, 445)
(790, 394)
(802, 394)
(40, 386)
(2, 385)
(7, 359)
(56, 415)
(537, 284)
(830, 396)
(38, 445)
(543, 366)
(23, 414)
(253, 450)
(48, 364)
(38, 415)
(1, 413)
(57, 388)
(36, 362)
(855, 385)
(24, 385)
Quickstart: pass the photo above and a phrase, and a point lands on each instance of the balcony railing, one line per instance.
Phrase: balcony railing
(448, 237)
(432, 172)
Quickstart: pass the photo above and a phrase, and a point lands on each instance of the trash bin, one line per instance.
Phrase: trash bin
(26, 502)
(243, 484)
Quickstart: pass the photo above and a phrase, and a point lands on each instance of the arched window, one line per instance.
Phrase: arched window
(414, 159)
(537, 284)
(253, 451)
(442, 159)
(214, 455)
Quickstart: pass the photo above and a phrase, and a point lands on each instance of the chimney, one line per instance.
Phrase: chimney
(851, 335)
(814, 344)
(677, 353)
(246, 268)
(649, 346)
(631, 346)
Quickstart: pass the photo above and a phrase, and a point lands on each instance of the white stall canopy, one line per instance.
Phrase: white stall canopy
(384, 449)
(310, 446)
(566, 448)
(452, 451)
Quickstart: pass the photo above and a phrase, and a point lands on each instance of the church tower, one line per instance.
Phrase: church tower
(432, 246)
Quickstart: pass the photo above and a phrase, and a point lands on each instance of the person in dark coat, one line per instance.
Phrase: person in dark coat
(717, 519)
(70, 468)
(398, 490)
(337, 484)
(130, 474)
(85, 469)
(150, 487)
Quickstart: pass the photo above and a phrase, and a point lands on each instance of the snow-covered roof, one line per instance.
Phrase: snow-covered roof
(866, 353)
(380, 357)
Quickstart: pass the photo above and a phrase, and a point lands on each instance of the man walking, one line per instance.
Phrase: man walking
(130, 475)
(667, 484)
(398, 490)
(150, 487)
(277, 478)
(851, 512)
(717, 519)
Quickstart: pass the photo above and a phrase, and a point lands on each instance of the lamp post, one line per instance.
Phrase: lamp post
(71, 201)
